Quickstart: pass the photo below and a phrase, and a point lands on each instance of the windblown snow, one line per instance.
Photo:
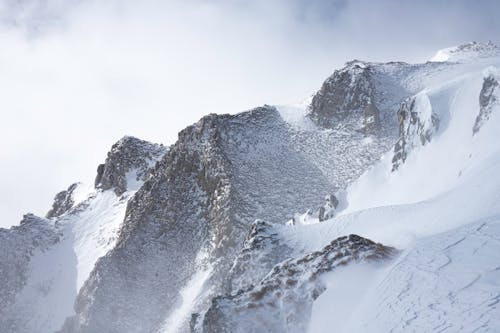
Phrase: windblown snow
(443, 208)
(410, 242)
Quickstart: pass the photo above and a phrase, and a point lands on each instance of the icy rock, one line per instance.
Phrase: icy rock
(262, 249)
(328, 209)
(63, 202)
(417, 123)
(488, 97)
(346, 96)
(282, 301)
(128, 164)
(203, 196)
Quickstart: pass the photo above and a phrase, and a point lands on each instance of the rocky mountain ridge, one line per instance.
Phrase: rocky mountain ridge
(195, 236)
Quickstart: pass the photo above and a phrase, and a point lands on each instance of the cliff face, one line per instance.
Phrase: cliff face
(363, 97)
(127, 164)
(46, 260)
(200, 202)
(195, 210)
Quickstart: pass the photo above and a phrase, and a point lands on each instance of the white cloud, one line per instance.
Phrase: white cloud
(76, 76)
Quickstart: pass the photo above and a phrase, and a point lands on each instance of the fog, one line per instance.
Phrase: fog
(77, 75)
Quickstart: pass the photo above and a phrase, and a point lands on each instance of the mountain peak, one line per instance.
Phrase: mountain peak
(127, 164)
(467, 51)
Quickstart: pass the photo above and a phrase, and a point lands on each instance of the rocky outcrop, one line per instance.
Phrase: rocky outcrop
(282, 300)
(127, 164)
(417, 123)
(345, 97)
(203, 196)
(63, 202)
(323, 213)
(362, 97)
(262, 249)
(488, 98)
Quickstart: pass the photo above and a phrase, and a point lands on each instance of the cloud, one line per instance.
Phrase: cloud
(76, 75)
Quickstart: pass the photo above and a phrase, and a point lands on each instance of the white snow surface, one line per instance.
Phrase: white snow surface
(88, 231)
(467, 52)
(442, 209)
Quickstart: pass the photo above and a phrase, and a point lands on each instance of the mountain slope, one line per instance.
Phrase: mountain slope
(269, 219)
(48, 260)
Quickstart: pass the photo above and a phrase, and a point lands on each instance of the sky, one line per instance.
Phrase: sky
(77, 75)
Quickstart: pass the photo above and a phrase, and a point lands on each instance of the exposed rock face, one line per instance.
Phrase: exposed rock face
(127, 164)
(262, 249)
(361, 96)
(488, 97)
(327, 211)
(63, 202)
(18, 245)
(323, 213)
(222, 173)
(201, 206)
(282, 301)
(39, 264)
(344, 95)
(417, 123)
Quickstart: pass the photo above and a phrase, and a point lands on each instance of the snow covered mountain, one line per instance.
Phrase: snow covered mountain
(376, 207)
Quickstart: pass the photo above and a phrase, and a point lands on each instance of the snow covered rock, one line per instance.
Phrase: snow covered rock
(166, 232)
(262, 249)
(223, 173)
(18, 245)
(488, 97)
(467, 52)
(363, 96)
(417, 123)
(46, 261)
(127, 164)
(282, 301)
(348, 93)
(63, 202)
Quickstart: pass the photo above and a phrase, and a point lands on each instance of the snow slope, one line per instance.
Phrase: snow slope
(442, 206)
(56, 275)
(56, 255)
(185, 253)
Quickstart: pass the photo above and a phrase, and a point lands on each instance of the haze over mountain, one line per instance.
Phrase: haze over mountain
(81, 74)
(374, 205)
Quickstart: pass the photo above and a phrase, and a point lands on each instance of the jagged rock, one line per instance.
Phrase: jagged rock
(343, 96)
(203, 197)
(363, 97)
(40, 263)
(327, 211)
(417, 123)
(63, 202)
(323, 213)
(488, 97)
(282, 301)
(262, 249)
(196, 208)
(127, 164)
